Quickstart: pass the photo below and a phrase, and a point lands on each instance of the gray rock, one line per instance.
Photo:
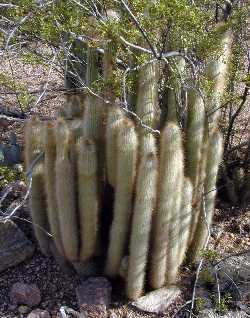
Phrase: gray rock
(236, 267)
(94, 297)
(231, 314)
(25, 294)
(14, 246)
(157, 301)
(38, 313)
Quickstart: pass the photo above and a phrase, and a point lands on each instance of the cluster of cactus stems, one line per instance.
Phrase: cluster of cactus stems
(163, 186)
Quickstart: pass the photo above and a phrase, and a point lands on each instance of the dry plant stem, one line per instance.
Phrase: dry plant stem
(166, 227)
(213, 161)
(194, 143)
(141, 225)
(50, 185)
(65, 192)
(126, 162)
(88, 197)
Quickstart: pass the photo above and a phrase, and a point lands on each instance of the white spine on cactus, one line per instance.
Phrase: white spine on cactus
(33, 148)
(217, 71)
(166, 222)
(88, 197)
(50, 185)
(141, 225)
(215, 151)
(194, 148)
(147, 106)
(126, 162)
(65, 192)
(185, 219)
(114, 120)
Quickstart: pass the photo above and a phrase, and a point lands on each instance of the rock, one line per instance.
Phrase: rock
(237, 267)
(23, 309)
(14, 246)
(157, 301)
(25, 294)
(38, 313)
(213, 314)
(94, 297)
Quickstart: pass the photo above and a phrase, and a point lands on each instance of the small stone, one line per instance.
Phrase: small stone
(25, 294)
(38, 313)
(14, 246)
(157, 301)
(94, 296)
(23, 309)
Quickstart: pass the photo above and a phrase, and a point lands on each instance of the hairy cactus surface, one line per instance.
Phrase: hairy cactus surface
(166, 223)
(126, 163)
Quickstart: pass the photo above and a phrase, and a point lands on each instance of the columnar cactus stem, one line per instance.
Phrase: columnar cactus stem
(166, 226)
(215, 152)
(217, 71)
(114, 121)
(50, 185)
(171, 98)
(34, 147)
(185, 219)
(141, 225)
(126, 162)
(88, 197)
(194, 143)
(65, 192)
(147, 107)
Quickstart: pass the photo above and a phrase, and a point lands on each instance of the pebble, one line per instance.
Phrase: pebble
(25, 294)
(38, 313)
(23, 309)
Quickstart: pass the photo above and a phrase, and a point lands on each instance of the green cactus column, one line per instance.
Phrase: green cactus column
(65, 192)
(215, 151)
(88, 197)
(126, 168)
(166, 226)
(50, 185)
(34, 146)
(145, 200)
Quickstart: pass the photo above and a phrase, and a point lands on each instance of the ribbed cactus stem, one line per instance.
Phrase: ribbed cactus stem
(88, 197)
(215, 152)
(185, 219)
(65, 192)
(147, 106)
(166, 222)
(147, 144)
(194, 148)
(114, 121)
(73, 106)
(172, 104)
(93, 114)
(126, 162)
(141, 225)
(50, 185)
(34, 146)
(217, 71)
